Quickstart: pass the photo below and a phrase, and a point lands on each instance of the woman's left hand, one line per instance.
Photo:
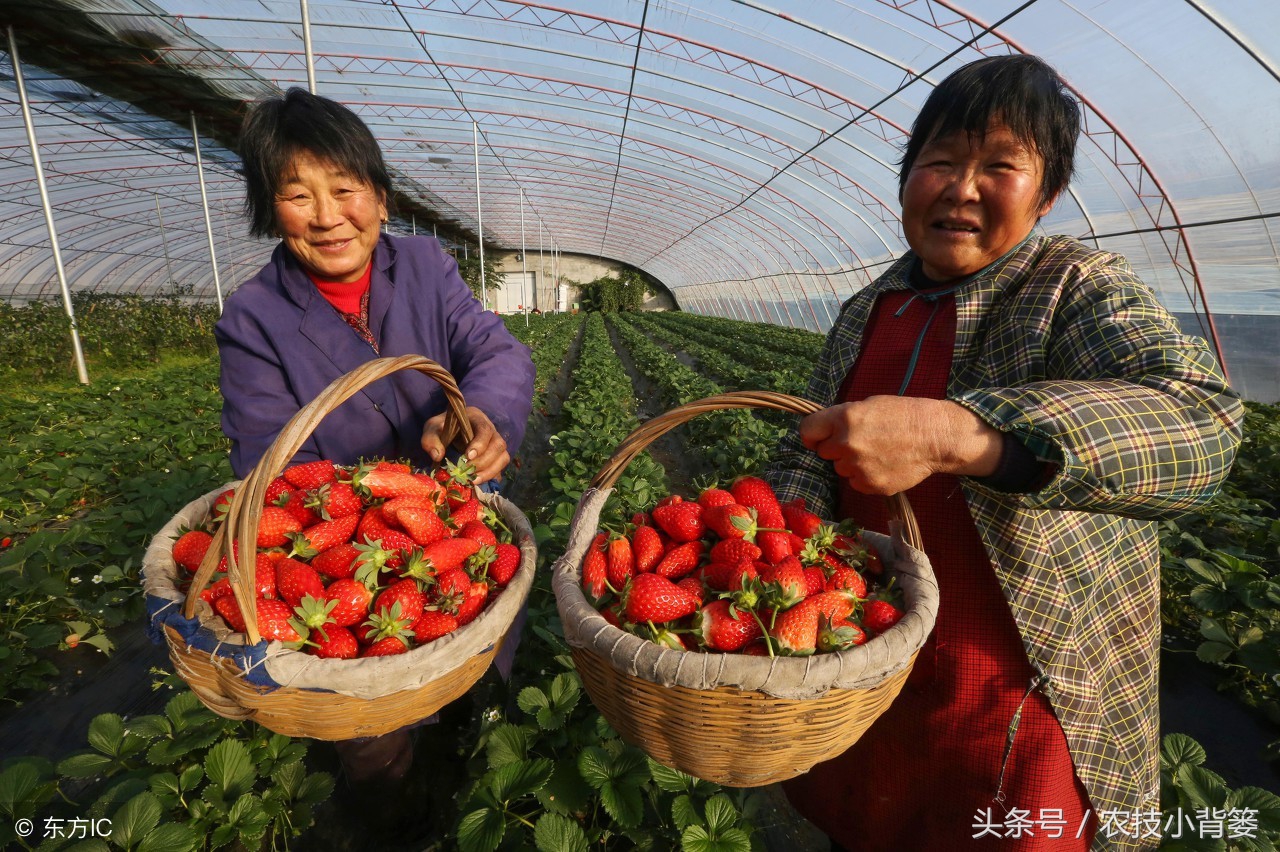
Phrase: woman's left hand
(887, 444)
(487, 450)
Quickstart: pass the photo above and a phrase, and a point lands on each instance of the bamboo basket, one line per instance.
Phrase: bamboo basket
(728, 718)
(297, 694)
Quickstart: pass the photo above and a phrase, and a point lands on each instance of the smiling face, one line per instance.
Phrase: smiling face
(328, 218)
(968, 200)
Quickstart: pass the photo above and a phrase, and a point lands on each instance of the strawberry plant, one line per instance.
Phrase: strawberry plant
(784, 341)
(731, 361)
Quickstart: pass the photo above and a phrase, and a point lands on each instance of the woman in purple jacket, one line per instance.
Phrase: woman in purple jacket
(336, 294)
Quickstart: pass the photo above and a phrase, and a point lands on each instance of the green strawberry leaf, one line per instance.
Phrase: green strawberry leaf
(565, 691)
(1264, 803)
(249, 818)
(315, 789)
(565, 792)
(520, 779)
(151, 726)
(507, 744)
(166, 787)
(135, 818)
(481, 831)
(721, 815)
(190, 777)
(229, 769)
(1200, 786)
(684, 813)
(556, 833)
(531, 700)
(106, 734)
(170, 837)
(623, 802)
(84, 765)
(1215, 632)
(1214, 652)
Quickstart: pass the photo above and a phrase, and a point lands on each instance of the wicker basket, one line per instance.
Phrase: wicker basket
(299, 694)
(729, 718)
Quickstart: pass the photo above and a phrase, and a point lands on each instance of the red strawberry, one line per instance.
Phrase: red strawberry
(734, 550)
(775, 546)
(505, 564)
(878, 616)
(712, 497)
(309, 475)
(392, 483)
(264, 575)
(680, 560)
(404, 592)
(680, 519)
(227, 607)
(646, 547)
(729, 576)
(731, 520)
(449, 553)
(800, 520)
(795, 631)
(372, 526)
(386, 647)
(222, 504)
(450, 589)
(845, 577)
(651, 598)
(473, 603)
(721, 626)
(190, 548)
(320, 537)
(693, 585)
(845, 634)
(620, 563)
(295, 580)
(337, 562)
(295, 503)
(421, 522)
(595, 569)
(815, 580)
(275, 525)
(433, 624)
(276, 489)
(334, 643)
(354, 599)
(478, 531)
(641, 519)
(466, 512)
(398, 467)
(275, 621)
(220, 589)
(334, 500)
(755, 493)
(785, 583)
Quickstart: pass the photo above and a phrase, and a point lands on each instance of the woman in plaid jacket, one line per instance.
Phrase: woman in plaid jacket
(1041, 410)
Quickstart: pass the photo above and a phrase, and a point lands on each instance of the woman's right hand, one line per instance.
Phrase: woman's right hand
(487, 449)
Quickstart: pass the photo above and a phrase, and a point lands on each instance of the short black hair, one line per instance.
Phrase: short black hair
(276, 129)
(1022, 92)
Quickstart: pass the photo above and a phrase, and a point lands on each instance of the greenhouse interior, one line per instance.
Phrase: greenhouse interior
(644, 205)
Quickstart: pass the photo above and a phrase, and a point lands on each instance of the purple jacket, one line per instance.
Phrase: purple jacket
(281, 344)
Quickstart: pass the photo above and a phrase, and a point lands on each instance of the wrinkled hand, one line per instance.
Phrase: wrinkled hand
(487, 450)
(887, 444)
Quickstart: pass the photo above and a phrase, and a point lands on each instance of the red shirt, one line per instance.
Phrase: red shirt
(923, 772)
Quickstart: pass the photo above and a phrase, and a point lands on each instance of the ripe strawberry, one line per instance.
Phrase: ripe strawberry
(620, 563)
(420, 522)
(190, 547)
(334, 643)
(785, 583)
(477, 531)
(274, 526)
(276, 489)
(433, 624)
(800, 520)
(220, 589)
(222, 504)
(693, 585)
(753, 492)
(729, 576)
(227, 607)
(733, 550)
(392, 483)
(309, 475)
(388, 465)
(680, 519)
(337, 562)
(775, 546)
(595, 569)
(450, 589)
(473, 603)
(276, 622)
(318, 538)
(505, 563)
(712, 497)
(815, 580)
(465, 512)
(641, 519)
(846, 634)
(795, 631)
(386, 624)
(721, 626)
(449, 553)
(264, 575)
(878, 616)
(646, 547)
(295, 503)
(334, 500)
(353, 601)
(731, 520)
(313, 613)
(680, 560)
(404, 592)
(651, 598)
(386, 647)
(845, 577)
(372, 526)
(295, 580)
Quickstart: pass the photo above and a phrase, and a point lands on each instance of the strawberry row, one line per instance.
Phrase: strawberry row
(736, 571)
(364, 560)
(731, 441)
(793, 342)
(731, 364)
(548, 338)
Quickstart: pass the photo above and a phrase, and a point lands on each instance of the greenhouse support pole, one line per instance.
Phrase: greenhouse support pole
(208, 221)
(413, 221)
(306, 49)
(524, 265)
(164, 243)
(475, 143)
(542, 268)
(81, 370)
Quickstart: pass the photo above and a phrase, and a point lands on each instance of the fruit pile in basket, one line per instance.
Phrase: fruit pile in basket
(365, 560)
(736, 571)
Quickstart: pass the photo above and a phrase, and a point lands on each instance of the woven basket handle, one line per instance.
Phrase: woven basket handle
(649, 431)
(241, 523)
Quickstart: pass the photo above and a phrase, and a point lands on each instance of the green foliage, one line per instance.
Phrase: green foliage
(469, 269)
(1199, 811)
(115, 331)
(626, 290)
(183, 779)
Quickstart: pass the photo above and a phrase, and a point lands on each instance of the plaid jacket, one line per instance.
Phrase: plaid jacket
(1063, 346)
